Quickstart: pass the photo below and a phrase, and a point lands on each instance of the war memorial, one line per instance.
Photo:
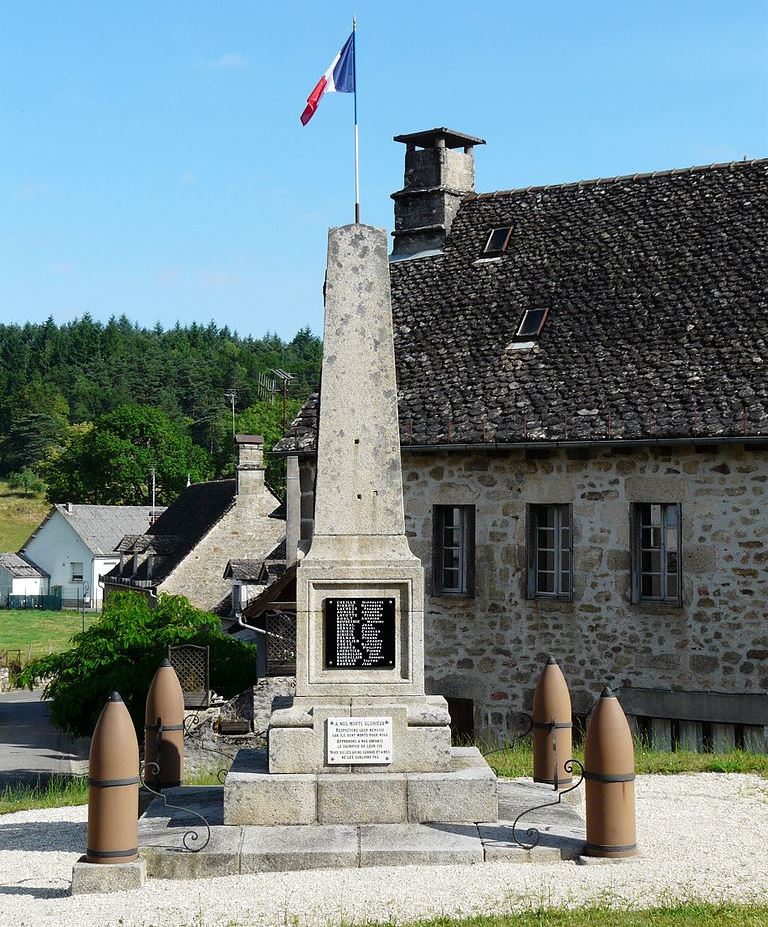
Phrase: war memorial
(359, 768)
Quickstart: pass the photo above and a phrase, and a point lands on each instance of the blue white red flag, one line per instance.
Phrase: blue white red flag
(339, 78)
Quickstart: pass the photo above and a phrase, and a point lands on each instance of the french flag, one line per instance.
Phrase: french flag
(339, 78)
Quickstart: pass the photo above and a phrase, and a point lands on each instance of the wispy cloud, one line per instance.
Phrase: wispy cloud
(169, 276)
(188, 178)
(218, 279)
(230, 61)
(33, 190)
(59, 267)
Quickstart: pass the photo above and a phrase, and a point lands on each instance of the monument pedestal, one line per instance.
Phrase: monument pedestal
(464, 793)
(420, 736)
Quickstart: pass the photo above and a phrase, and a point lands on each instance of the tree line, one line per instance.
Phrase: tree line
(75, 397)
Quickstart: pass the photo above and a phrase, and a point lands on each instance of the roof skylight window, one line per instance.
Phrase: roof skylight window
(497, 242)
(532, 323)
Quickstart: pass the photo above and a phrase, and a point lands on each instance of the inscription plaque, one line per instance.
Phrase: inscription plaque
(359, 633)
(359, 740)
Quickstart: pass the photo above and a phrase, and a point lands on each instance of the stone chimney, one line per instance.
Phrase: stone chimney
(250, 470)
(439, 173)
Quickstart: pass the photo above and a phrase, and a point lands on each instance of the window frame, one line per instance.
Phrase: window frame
(74, 577)
(466, 548)
(496, 252)
(637, 526)
(533, 512)
(537, 333)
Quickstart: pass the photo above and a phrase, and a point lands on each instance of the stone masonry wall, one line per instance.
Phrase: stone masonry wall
(244, 533)
(490, 648)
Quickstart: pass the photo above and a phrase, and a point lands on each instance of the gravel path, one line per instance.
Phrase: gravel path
(704, 836)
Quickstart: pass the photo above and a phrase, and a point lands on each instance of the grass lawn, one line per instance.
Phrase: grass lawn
(518, 761)
(19, 516)
(37, 632)
(684, 915)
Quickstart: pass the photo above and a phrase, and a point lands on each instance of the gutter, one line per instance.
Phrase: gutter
(558, 443)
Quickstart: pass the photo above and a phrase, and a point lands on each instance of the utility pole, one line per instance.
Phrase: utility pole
(231, 394)
(286, 378)
(152, 474)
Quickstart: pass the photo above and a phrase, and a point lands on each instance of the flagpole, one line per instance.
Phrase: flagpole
(357, 158)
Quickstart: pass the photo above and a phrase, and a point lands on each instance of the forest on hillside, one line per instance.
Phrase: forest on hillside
(60, 383)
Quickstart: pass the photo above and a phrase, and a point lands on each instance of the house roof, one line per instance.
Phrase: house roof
(244, 570)
(180, 528)
(271, 595)
(101, 527)
(657, 323)
(21, 568)
(258, 571)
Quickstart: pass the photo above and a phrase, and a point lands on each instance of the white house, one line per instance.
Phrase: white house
(75, 546)
(20, 577)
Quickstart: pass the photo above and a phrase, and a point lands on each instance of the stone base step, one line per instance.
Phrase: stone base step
(465, 793)
(247, 848)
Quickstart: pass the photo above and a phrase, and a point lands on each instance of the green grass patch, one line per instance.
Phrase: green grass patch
(19, 516)
(691, 914)
(60, 791)
(38, 632)
(517, 760)
(57, 792)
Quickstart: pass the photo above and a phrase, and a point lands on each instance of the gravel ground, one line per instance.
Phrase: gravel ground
(704, 836)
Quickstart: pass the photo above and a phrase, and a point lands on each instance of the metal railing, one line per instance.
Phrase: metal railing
(49, 602)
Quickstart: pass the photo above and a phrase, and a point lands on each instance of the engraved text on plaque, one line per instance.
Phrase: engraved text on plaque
(359, 633)
(359, 740)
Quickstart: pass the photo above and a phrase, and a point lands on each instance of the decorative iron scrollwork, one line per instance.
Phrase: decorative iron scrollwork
(533, 833)
(191, 836)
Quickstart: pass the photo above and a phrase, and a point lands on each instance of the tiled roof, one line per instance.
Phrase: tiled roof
(244, 570)
(181, 526)
(657, 325)
(257, 571)
(20, 567)
(101, 527)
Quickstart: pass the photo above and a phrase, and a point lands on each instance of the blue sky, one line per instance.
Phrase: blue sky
(152, 161)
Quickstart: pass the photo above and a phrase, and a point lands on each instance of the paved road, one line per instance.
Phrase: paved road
(30, 746)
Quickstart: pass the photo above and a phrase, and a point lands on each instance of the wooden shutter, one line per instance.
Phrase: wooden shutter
(530, 551)
(469, 534)
(634, 553)
(437, 548)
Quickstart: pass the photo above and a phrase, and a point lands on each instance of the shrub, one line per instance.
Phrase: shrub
(123, 650)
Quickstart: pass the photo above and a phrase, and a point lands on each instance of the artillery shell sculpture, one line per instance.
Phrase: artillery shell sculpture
(552, 741)
(609, 774)
(164, 730)
(113, 787)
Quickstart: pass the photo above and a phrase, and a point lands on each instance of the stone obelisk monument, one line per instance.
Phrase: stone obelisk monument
(362, 742)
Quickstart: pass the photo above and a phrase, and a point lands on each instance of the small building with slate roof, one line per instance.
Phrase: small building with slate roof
(75, 546)
(19, 576)
(583, 396)
(186, 551)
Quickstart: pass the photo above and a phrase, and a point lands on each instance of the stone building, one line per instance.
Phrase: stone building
(584, 430)
(187, 550)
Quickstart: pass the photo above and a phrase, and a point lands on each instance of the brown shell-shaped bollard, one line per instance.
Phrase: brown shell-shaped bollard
(552, 735)
(164, 730)
(609, 774)
(113, 787)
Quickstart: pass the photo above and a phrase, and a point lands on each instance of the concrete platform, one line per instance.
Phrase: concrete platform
(249, 848)
(465, 793)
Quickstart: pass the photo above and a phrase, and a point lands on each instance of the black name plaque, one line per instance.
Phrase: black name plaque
(359, 633)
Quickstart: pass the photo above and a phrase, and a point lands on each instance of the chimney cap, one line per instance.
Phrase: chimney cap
(249, 439)
(429, 137)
